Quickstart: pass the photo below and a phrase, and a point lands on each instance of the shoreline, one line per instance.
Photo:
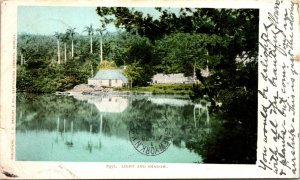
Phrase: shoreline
(157, 89)
(120, 93)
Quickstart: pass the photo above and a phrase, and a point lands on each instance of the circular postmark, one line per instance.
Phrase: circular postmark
(150, 138)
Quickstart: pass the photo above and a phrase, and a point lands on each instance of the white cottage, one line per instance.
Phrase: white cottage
(178, 78)
(109, 78)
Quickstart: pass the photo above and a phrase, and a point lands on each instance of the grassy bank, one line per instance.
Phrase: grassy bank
(161, 89)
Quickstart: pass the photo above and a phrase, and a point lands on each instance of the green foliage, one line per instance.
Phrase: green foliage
(239, 113)
(68, 82)
(197, 91)
(42, 73)
(236, 24)
(37, 50)
(239, 105)
(133, 72)
(173, 43)
(126, 49)
(228, 144)
(24, 79)
(182, 40)
(89, 29)
(163, 89)
(181, 52)
(107, 65)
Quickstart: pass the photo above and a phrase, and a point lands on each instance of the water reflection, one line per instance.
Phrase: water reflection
(201, 115)
(105, 103)
(96, 128)
(170, 101)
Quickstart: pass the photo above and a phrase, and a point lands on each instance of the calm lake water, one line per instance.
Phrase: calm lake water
(109, 128)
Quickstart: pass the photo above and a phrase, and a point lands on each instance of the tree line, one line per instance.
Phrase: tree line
(195, 38)
(172, 43)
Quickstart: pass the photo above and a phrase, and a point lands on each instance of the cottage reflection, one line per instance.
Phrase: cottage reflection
(106, 103)
(170, 101)
(111, 104)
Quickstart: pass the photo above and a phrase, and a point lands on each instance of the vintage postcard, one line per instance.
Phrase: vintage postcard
(144, 89)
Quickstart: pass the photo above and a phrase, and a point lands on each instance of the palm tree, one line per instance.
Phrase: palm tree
(71, 32)
(92, 71)
(22, 51)
(100, 32)
(58, 36)
(90, 31)
(64, 39)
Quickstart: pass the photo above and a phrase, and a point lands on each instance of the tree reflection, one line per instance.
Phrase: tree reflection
(194, 125)
(229, 144)
(57, 130)
(100, 131)
(201, 109)
(69, 142)
(89, 145)
(234, 140)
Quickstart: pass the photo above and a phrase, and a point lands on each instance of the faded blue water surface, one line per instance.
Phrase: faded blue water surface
(96, 128)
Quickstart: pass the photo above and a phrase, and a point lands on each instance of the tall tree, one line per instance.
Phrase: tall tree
(90, 30)
(239, 27)
(234, 23)
(182, 52)
(133, 72)
(71, 32)
(22, 51)
(100, 31)
(64, 39)
(58, 36)
(23, 46)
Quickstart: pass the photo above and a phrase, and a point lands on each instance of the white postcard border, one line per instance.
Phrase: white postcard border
(31, 169)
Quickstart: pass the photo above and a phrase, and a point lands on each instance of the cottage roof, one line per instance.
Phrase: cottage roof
(106, 74)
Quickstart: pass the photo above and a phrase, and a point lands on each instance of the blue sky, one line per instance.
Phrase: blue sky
(47, 20)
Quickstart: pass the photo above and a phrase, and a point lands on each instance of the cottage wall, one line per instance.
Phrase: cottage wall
(171, 79)
(114, 83)
(105, 83)
(94, 82)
